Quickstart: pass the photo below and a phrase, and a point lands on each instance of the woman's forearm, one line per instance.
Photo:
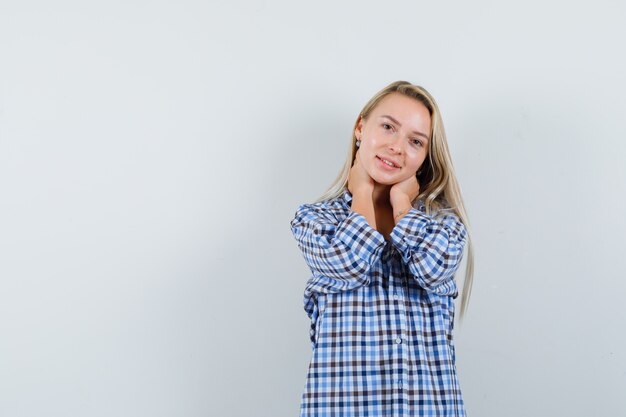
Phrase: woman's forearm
(400, 208)
(363, 203)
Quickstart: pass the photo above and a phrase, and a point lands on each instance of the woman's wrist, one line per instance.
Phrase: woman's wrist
(400, 208)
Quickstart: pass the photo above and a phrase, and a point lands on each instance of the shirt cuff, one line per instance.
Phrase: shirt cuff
(361, 237)
(412, 222)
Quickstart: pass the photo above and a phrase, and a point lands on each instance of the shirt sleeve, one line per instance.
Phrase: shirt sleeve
(432, 248)
(338, 253)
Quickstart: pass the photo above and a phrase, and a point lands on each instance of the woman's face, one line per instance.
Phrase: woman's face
(397, 129)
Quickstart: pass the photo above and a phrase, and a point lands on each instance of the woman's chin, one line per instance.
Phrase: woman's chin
(385, 178)
(384, 181)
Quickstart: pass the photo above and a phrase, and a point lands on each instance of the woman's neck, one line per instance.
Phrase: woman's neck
(380, 195)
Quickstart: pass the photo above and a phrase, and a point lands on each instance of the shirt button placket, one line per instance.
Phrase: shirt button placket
(402, 356)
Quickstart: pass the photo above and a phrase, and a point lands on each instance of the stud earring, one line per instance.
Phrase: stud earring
(358, 143)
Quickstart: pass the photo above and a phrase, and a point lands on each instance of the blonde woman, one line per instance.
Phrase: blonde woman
(383, 245)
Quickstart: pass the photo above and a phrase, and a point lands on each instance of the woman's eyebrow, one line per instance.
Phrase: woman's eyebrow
(398, 123)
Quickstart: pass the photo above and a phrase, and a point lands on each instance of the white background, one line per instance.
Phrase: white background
(152, 154)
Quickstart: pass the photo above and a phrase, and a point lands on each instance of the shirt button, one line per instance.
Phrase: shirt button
(399, 383)
(398, 340)
(396, 296)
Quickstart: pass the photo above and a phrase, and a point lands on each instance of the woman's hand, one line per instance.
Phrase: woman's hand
(358, 178)
(402, 194)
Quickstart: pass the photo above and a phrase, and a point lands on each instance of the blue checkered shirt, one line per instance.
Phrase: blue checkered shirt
(382, 312)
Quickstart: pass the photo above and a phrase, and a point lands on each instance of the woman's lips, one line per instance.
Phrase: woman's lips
(384, 165)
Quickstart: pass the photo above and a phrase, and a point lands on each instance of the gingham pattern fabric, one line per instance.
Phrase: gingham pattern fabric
(382, 312)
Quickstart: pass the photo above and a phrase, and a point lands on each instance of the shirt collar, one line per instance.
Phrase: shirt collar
(347, 197)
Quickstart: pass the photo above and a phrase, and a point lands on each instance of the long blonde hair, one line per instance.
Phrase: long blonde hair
(439, 188)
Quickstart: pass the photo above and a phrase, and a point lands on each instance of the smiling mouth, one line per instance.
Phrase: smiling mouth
(390, 164)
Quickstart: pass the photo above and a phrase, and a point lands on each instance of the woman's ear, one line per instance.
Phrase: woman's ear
(359, 128)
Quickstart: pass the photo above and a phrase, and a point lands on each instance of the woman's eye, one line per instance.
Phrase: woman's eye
(385, 126)
(417, 142)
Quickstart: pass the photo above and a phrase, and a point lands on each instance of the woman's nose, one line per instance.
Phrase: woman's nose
(396, 143)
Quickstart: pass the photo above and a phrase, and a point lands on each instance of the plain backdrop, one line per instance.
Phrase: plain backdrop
(152, 154)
